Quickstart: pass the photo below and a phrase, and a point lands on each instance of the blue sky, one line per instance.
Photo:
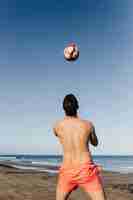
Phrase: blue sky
(34, 77)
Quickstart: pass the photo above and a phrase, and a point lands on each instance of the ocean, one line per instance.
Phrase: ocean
(50, 163)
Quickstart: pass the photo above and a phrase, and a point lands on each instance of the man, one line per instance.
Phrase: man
(77, 168)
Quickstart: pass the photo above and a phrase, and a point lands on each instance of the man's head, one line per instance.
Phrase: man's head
(70, 105)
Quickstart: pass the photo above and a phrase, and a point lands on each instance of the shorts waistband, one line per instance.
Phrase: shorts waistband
(86, 163)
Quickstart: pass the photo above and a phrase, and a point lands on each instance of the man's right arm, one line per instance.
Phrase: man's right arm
(93, 137)
(55, 129)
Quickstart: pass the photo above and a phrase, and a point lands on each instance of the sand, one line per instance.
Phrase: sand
(29, 185)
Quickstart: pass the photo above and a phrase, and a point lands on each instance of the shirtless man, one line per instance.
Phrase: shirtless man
(77, 168)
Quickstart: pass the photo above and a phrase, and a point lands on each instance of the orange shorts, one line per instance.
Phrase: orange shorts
(87, 176)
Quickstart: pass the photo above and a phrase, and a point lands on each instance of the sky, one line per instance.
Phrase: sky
(34, 77)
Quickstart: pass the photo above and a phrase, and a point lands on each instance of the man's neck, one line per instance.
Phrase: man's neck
(71, 117)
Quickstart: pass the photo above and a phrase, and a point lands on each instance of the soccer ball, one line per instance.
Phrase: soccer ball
(71, 52)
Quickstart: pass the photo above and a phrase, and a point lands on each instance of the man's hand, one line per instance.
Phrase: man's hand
(93, 137)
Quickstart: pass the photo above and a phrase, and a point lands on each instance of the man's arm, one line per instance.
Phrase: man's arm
(55, 129)
(93, 137)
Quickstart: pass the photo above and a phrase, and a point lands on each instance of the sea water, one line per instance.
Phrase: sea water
(50, 163)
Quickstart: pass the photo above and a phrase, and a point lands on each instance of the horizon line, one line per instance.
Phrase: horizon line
(36, 154)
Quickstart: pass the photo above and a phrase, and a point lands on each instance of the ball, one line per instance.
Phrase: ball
(71, 52)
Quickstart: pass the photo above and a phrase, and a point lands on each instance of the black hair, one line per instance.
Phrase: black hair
(70, 105)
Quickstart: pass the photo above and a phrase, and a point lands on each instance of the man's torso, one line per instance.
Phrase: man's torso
(73, 134)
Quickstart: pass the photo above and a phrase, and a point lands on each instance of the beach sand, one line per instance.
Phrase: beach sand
(26, 185)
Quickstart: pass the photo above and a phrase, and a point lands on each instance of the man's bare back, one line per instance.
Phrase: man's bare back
(74, 134)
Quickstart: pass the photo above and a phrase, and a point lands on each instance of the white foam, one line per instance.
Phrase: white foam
(44, 163)
(35, 169)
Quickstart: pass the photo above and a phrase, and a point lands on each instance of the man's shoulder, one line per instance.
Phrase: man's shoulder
(88, 123)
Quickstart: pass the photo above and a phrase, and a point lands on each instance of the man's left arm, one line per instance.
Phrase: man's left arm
(93, 137)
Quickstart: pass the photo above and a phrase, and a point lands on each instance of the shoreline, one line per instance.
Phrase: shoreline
(18, 184)
(45, 167)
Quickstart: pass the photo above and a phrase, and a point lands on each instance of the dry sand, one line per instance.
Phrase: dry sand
(28, 185)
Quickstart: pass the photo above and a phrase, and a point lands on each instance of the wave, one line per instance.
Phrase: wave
(30, 166)
(35, 169)
(44, 163)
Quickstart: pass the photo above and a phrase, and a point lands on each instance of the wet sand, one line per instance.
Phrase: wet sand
(30, 185)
